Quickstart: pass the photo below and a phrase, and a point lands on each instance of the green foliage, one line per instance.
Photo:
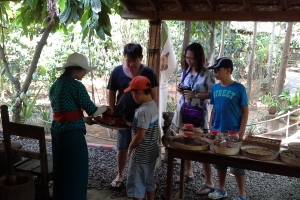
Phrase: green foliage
(285, 95)
(29, 106)
(270, 100)
(171, 104)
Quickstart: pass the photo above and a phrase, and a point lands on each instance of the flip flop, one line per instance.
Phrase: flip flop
(118, 185)
(203, 187)
(186, 179)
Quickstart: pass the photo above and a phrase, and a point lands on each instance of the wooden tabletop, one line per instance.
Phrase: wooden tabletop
(238, 161)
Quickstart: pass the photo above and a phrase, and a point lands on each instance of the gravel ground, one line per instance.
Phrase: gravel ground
(259, 186)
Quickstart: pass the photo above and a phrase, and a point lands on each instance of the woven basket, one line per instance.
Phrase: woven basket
(259, 142)
(287, 159)
(295, 148)
(263, 142)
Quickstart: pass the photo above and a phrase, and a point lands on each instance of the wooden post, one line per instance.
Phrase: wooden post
(154, 49)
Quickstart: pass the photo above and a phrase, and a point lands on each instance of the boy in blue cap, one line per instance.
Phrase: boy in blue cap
(230, 112)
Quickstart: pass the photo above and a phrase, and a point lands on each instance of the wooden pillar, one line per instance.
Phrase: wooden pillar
(154, 49)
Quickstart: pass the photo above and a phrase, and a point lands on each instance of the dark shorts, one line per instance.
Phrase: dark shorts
(234, 171)
(123, 139)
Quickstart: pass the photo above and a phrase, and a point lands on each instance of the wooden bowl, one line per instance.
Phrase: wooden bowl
(189, 147)
(230, 149)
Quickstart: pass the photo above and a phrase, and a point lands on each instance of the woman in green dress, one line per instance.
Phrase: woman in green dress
(69, 98)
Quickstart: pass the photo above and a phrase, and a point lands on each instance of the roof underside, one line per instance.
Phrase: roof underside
(213, 10)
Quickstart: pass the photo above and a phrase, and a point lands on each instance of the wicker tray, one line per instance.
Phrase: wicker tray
(188, 147)
(230, 150)
(262, 142)
(295, 148)
(289, 160)
(256, 156)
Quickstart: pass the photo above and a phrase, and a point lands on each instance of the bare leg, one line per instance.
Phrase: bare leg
(189, 168)
(121, 163)
(221, 179)
(240, 180)
(208, 178)
(150, 195)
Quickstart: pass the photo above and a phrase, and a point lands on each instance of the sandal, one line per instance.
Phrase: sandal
(204, 187)
(118, 185)
(186, 178)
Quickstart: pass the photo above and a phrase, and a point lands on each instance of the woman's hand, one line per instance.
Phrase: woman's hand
(89, 120)
(189, 94)
(179, 90)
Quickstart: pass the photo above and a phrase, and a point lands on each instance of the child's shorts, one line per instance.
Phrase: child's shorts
(234, 171)
(140, 179)
(123, 139)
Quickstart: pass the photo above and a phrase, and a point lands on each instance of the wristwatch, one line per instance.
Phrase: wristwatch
(196, 95)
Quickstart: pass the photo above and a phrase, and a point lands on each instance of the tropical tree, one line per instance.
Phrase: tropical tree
(270, 57)
(186, 40)
(46, 16)
(284, 60)
(251, 61)
(221, 52)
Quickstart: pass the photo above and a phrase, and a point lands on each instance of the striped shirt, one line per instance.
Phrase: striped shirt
(146, 117)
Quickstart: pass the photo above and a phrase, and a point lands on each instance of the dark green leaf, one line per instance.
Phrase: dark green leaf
(86, 4)
(100, 33)
(65, 15)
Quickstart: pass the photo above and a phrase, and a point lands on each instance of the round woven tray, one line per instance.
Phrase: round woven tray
(230, 150)
(188, 147)
(288, 159)
(259, 157)
(294, 147)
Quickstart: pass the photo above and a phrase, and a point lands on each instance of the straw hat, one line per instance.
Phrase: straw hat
(77, 60)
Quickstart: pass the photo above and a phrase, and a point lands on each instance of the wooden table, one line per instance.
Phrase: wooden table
(238, 161)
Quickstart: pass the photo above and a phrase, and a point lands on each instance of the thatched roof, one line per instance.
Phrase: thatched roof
(213, 10)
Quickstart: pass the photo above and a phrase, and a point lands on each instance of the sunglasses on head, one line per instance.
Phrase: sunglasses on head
(219, 69)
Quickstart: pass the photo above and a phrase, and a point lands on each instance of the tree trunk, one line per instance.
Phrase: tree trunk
(251, 62)
(270, 58)
(221, 53)
(186, 40)
(211, 42)
(284, 60)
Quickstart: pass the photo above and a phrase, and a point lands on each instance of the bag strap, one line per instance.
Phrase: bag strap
(138, 73)
(184, 74)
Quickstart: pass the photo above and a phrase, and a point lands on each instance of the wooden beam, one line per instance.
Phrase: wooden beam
(283, 5)
(246, 5)
(154, 5)
(127, 5)
(212, 5)
(268, 16)
(181, 5)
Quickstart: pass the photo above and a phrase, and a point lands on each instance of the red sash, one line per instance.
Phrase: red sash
(68, 116)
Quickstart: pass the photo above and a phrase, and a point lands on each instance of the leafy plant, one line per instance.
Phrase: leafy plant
(285, 95)
(171, 104)
(29, 106)
(270, 100)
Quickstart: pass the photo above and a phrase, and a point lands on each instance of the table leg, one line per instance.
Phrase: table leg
(169, 176)
(181, 186)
